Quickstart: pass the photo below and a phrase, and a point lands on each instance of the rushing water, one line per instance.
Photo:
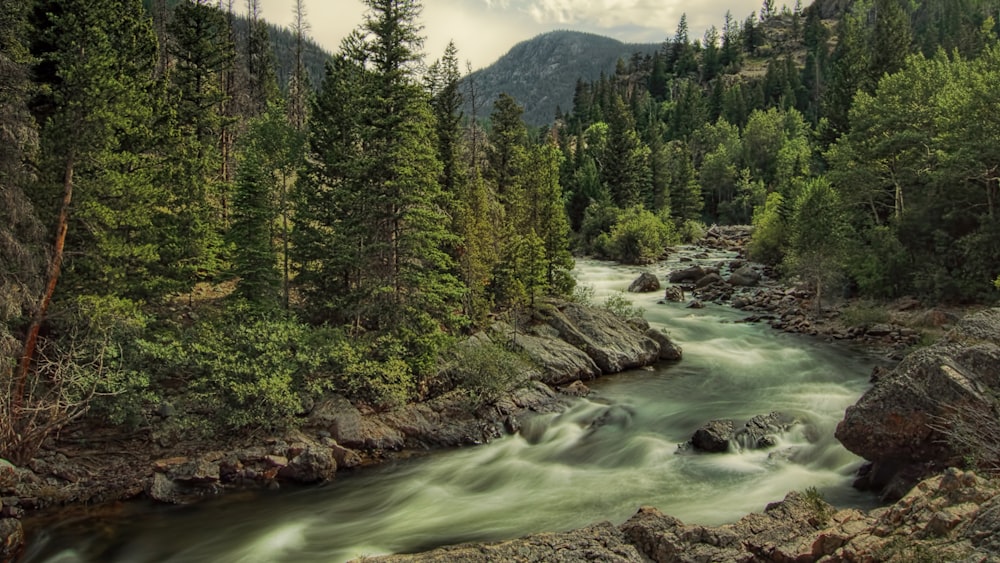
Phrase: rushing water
(599, 460)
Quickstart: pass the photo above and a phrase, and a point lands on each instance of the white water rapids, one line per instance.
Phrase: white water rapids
(560, 472)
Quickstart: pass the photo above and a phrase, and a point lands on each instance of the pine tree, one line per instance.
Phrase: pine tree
(626, 171)
(890, 39)
(508, 137)
(20, 230)
(400, 281)
(202, 52)
(96, 59)
(849, 72)
(686, 200)
(299, 87)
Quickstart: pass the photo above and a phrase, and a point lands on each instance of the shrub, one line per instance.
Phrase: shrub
(639, 237)
(622, 307)
(488, 371)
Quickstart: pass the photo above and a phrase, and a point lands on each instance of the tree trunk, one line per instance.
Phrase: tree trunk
(52, 278)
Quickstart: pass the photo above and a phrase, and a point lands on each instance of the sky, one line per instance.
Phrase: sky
(483, 30)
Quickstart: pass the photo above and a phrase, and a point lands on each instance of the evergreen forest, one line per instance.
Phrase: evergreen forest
(190, 226)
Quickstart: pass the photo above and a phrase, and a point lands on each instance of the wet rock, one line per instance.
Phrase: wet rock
(345, 457)
(674, 294)
(762, 430)
(575, 389)
(901, 421)
(708, 280)
(182, 480)
(691, 274)
(11, 539)
(646, 283)
(669, 350)
(714, 437)
(696, 304)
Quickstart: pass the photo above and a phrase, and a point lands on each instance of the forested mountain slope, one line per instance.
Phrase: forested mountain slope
(541, 73)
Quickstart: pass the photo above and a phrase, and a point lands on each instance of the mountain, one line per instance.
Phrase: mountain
(541, 73)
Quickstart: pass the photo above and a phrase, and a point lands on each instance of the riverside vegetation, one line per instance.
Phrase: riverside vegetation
(189, 249)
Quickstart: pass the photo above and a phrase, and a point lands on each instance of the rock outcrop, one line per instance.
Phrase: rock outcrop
(951, 517)
(905, 424)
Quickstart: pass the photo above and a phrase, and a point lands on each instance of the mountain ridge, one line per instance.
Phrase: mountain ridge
(541, 73)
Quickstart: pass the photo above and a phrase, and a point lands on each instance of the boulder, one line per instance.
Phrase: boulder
(645, 283)
(708, 280)
(674, 294)
(575, 389)
(609, 341)
(689, 274)
(745, 276)
(314, 465)
(714, 437)
(669, 350)
(11, 539)
(904, 420)
(349, 428)
(559, 362)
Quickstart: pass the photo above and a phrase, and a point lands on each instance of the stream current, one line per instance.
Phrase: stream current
(601, 459)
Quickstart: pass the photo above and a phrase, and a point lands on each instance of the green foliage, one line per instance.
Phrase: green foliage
(638, 237)
(241, 369)
(622, 307)
(817, 245)
(770, 230)
(375, 371)
(487, 372)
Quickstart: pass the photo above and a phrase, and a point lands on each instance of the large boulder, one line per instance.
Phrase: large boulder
(669, 350)
(745, 276)
(646, 283)
(762, 430)
(905, 420)
(559, 362)
(608, 340)
(690, 274)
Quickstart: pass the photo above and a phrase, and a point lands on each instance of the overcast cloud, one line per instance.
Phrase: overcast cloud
(483, 30)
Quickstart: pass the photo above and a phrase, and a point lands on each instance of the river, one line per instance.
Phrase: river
(601, 459)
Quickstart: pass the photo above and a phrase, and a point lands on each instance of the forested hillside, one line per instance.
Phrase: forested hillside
(860, 149)
(183, 236)
(185, 240)
(541, 73)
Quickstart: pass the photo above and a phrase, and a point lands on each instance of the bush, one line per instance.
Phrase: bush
(487, 371)
(240, 369)
(622, 307)
(691, 231)
(373, 371)
(639, 237)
